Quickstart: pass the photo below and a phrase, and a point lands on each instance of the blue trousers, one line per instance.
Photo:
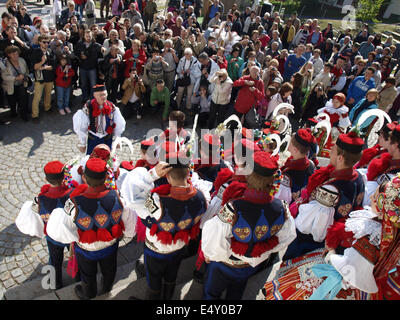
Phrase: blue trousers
(220, 277)
(88, 81)
(93, 141)
(63, 95)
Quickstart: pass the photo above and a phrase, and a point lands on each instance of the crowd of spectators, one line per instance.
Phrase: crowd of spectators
(232, 62)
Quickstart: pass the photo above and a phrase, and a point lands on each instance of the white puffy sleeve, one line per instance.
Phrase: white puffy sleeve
(75, 175)
(80, 123)
(136, 189)
(203, 185)
(119, 122)
(29, 222)
(129, 218)
(61, 226)
(317, 216)
(370, 188)
(215, 239)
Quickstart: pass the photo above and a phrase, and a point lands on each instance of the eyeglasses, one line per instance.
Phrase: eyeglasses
(45, 42)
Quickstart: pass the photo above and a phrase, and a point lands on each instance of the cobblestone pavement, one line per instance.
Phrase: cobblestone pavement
(25, 149)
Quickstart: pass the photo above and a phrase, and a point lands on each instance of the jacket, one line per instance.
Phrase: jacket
(128, 88)
(195, 72)
(222, 91)
(60, 82)
(359, 87)
(359, 109)
(8, 75)
(246, 99)
(386, 98)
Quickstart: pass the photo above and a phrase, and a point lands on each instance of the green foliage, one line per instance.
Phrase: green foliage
(368, 10)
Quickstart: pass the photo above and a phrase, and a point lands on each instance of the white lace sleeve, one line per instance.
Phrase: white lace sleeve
(361, 224)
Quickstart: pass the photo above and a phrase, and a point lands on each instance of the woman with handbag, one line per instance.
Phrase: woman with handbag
(189, 74)
(15, 82)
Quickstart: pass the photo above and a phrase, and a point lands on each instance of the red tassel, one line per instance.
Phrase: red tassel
(182, 235)
(88, 236)
(116, 231)
(44, 189)
(200, 257)
(378, 165)
(103, 235)
(45, 229)
(164, 237)
(234, 191)
(141, 230)
(337, 235)
(368, 155)
(74, 184)
(121, 223)
(238, 247)
(140, 163)
(261, 247)
(223, 176)
(319, 177)
(79, 189)
(194, 231)
(162, 190)
(153, 229)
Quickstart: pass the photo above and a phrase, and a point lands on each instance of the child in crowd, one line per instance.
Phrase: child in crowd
(64, 74)
(262, 106)
(201, 102)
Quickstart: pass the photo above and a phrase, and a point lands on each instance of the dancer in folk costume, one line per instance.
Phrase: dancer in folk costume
(251, 226)
(171, 214)
(34, 215)
(378, 149)
(98, 122)
(324, 273)
(339, 119)
(95, 219)
(331, 194)
(298, 168)
(384, 167)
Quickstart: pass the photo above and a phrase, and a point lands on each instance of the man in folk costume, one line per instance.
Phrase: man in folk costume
(386, 166)
(34, 216)
(331, 194)
(377, 150)
(224, 178)
(251, 226)
(98, 121)
(171, 214)
(348, 275)
(298, 168)
(95, 219)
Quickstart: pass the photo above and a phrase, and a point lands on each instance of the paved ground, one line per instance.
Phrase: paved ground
(25, 149)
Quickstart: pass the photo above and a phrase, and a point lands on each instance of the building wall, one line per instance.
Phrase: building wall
(393, 8)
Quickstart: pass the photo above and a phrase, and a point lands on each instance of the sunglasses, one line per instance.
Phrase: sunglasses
(45, 42)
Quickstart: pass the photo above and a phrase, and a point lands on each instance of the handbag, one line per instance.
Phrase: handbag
(27, 79)
(185, 81)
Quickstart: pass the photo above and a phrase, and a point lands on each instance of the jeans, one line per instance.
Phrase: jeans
(80, 7)
(63, 95)
(88, 81)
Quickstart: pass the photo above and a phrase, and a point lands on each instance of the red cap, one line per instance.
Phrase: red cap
(265, 164)
(391, 126)
(127, 165)
(54, 170)
(305, 137)
(350, 142)
(311, 122)
(101, 151)
(145, 144)
(96, 168)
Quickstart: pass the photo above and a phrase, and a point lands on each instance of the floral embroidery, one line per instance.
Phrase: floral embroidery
(261, 231)
(85, 222)
(242, 233)
(276, 228)
(116, 215)
(183, 224)
(101, 219)
(344, 209)
(167, 226)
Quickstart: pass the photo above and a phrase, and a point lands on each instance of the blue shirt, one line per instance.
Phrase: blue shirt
(359, 87)
(213, 11)
(292, 65)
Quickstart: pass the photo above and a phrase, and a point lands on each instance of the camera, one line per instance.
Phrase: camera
(136, 77)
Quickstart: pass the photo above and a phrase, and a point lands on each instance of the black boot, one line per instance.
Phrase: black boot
(79, 292)
(168, 290)
(140, 268)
